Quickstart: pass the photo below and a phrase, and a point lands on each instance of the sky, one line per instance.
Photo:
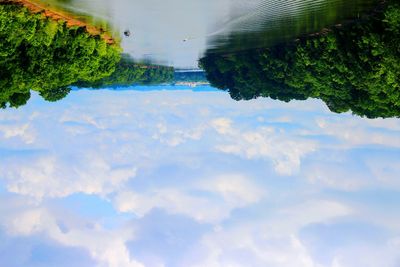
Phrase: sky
(181, 178)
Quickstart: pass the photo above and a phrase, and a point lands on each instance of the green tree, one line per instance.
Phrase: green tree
(40, 54)
(55, 94)
(353, 67)
(128, 72)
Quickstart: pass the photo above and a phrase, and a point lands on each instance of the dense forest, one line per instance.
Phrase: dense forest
(44, 55)
(128, 73)
(354, 66)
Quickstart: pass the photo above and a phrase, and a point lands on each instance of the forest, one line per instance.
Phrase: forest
(128, 72)
(44, 55)
(351, 67)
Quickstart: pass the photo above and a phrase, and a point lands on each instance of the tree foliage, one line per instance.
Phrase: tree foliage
(44, 55)
(128, 73)
(352, 67)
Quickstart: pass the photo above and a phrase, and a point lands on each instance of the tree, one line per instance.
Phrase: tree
(128, 73)
(353, 67)
(55, 94)
(41, 54)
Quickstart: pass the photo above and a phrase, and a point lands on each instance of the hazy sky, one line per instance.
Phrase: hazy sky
(164, 178)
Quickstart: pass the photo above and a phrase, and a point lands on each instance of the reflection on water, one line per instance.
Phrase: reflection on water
(177, 32)
(174, 175)
(270, 22)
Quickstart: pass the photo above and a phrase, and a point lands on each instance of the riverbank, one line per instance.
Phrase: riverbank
(69, 19)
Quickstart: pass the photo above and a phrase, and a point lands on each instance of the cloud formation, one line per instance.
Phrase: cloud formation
(122, 176)
(210, 200)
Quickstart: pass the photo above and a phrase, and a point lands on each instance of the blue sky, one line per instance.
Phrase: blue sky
(181, 178)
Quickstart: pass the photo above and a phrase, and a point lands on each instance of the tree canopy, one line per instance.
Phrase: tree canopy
(41, 54)
(354, 67)
(128, 73)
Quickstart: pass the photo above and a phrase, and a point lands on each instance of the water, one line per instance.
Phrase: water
(178, 32)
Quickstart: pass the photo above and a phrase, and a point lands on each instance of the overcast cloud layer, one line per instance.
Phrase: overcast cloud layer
(164, 178)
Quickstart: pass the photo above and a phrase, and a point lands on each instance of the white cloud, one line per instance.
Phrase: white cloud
(356, 131)
(207, 158)
(271, 144)
(385, 169)
(222, 125)
(252, 251)
(223, 194)
(178, 136)
(272, 241)
(49, 176)
(368, 255)
(315, 211)
(28, 222)
(24, 131)
(107, 247)
(334, 175)
(173, 201)
(233, 188)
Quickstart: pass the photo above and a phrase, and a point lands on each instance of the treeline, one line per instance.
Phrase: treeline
(350, 67)
(128, 73)
(190, 76)
(44, 55)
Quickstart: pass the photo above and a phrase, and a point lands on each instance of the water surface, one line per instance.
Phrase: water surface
(178, 32)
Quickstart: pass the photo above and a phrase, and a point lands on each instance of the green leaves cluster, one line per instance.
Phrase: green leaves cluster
(354, 67)
(40, 54)
(128, 72)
